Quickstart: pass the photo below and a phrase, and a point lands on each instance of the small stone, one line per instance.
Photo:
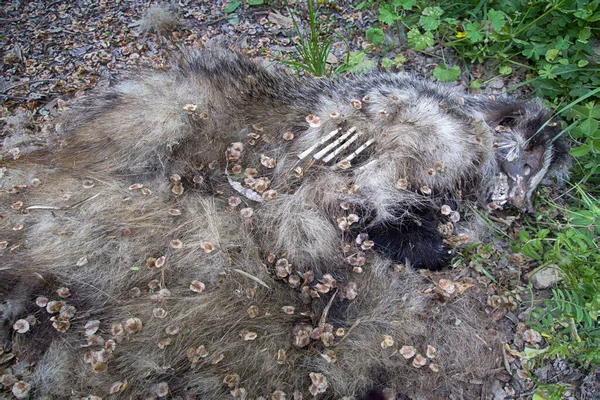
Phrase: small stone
(546, 277)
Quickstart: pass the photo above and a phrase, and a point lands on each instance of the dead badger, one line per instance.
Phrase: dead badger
(219, 230)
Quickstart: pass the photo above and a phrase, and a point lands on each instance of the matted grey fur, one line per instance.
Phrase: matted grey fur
(186, 238)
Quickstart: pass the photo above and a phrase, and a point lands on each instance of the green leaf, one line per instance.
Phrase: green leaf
(563, 43)
(588, 126)
(430, 18)
(387, 63)
(547, 72)
(475, 85)
(406, 4)
(497, 19)
(400, 59)
(233, 19)
(582, 14)
(531, 353)
(580, 151)
(530, 252)
(534, 50)
(361, 5)
(582, 63)
(359, 63)
(445, 74)
(232, 6)
(255, 2)
(418, 40)
(538, 396)
(552, 54)
(387, 15)
(472, 31)
(584, 34)
(519, 41)
(505, 70)
(580, 111)
(375, 35)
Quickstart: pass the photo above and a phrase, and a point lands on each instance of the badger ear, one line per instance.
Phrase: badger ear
(507, 114)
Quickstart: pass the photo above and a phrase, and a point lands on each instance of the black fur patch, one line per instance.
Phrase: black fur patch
(413, 235)
(373, 395)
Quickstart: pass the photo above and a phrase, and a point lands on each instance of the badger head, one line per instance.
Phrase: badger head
(528, 147)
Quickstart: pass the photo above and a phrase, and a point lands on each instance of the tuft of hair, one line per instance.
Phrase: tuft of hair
(161, 19)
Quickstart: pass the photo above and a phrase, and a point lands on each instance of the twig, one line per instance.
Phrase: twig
(505, 359)
(483, 341)
(13, 98)
(216, 21)
(325, 311)
(354, 325)
(255, 279)
(53, 3)
(62, 208)
(11, 87)
(9, 20)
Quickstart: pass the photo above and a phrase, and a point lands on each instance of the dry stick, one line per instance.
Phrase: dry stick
(62, 208)
(505, 360)
(354, 325)
(255, 279)
(11, 87)
(325, 311)
(483, 341)
(9, 20)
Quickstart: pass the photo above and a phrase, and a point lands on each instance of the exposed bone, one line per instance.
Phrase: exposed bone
(323, 319)
(312, 148)
(333, 144)
(56, 208)
(358, 151)
(255, 279)
(341, 148)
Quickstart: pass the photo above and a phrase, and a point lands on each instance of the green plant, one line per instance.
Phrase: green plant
(235, 4)
(570, 319)
(549, 392)
(397, 61)
(584, 130)
(551, 39)
(314, 47)
(232, 6)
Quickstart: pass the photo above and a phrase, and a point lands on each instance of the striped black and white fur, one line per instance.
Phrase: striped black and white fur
(182, 239)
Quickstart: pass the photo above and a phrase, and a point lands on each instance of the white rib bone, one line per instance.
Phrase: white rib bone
(359, 150)
(333, 144)
(341, 148)
(312, 148)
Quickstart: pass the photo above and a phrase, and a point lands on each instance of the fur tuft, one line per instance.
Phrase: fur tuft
(161, 19)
